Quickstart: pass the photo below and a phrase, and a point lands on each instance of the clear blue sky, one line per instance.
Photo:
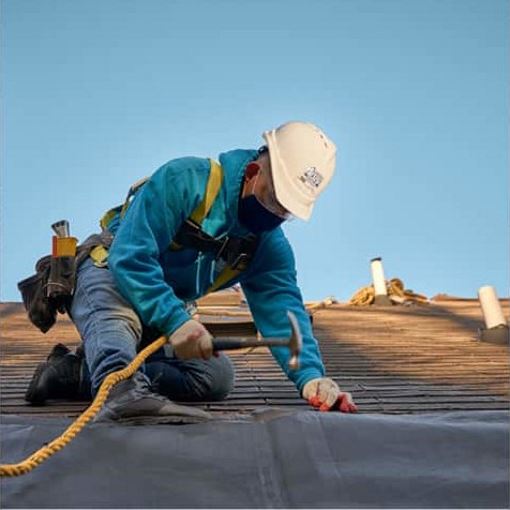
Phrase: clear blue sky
(97, 94)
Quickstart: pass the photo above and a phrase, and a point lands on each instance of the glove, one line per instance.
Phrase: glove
(325, 394)
(192, 340)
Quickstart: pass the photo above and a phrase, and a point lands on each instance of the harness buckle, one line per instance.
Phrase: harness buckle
(241, 261)
(234, 251)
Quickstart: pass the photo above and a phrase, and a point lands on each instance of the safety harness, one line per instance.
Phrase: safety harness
(235, 252)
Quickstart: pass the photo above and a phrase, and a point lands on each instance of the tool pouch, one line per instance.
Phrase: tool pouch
(41, 311)
(61, 281)
(50, 290)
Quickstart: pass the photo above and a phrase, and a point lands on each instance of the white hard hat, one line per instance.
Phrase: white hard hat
(302, 163)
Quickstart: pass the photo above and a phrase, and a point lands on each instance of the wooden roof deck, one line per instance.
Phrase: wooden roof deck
(399, 359)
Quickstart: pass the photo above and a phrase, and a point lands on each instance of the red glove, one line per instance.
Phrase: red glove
(324, 394)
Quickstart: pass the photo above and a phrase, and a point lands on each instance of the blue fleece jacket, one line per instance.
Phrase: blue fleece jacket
(157, 280)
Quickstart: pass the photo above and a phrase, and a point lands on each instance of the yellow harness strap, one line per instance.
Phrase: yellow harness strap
(211, 192)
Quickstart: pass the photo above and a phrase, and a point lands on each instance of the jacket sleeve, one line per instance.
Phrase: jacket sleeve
(152, 220)
(271, 289)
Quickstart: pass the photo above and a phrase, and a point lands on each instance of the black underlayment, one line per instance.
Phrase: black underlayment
(271, 459)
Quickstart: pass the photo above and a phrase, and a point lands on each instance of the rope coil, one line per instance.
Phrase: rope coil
(396, 292)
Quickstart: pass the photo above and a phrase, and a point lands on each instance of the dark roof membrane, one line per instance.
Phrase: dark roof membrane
(271, 459)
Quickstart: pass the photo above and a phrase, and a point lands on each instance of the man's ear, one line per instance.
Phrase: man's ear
(252, 169)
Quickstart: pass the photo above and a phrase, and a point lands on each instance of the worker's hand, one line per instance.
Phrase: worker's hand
(192, 340)
(325, 394)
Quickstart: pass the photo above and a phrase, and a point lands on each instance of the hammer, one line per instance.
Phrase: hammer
(294, 343)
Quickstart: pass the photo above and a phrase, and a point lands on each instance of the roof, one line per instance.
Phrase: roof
(266, 448)
(398, 359)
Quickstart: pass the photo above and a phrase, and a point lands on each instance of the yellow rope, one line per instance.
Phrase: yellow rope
(75, 428)
(395, 287)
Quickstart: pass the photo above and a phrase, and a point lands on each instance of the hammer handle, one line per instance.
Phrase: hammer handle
(222, 344)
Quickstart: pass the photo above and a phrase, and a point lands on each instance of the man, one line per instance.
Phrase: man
(166, 250)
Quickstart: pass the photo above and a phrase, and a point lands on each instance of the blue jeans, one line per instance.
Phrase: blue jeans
(111, 332)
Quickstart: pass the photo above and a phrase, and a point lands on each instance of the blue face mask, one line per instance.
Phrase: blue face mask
(255, 217)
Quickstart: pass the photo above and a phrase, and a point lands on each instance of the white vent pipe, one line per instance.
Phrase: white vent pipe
(378, 277)
(491, 307)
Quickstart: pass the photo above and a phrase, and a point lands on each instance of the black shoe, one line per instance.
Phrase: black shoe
(60, 376)
(133, 402)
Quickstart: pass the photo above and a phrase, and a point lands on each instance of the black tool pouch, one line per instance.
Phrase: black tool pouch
(61, 281)
(50, 290)
(41, 311)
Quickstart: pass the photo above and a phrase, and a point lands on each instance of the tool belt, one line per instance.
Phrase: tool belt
(50, 290)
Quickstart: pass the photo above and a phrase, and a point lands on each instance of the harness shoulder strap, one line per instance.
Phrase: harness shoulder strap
(211, 192)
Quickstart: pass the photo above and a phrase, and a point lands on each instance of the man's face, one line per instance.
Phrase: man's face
(258, 182)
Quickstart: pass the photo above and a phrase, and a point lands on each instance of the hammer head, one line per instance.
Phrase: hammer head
(295, 341)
